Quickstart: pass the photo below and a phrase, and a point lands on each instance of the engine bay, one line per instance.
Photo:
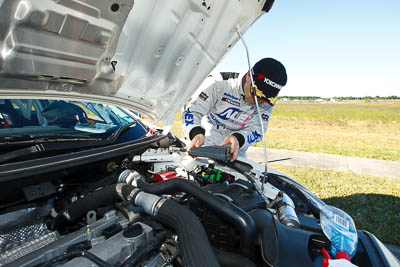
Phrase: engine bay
(161, 208)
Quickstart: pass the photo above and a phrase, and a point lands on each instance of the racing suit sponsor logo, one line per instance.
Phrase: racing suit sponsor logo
(203, 96)
(230, 101)
(231, 96)
(243, 123)
(264, 116)
(189, 119)
(213, 120)
(253, 137)
(228, 113)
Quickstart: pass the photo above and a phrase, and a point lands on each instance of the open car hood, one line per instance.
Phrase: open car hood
(145, 55)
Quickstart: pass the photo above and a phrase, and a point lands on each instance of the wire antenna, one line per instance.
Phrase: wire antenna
(258, 108)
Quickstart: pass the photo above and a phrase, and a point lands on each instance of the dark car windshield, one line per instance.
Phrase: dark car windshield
(38, 117)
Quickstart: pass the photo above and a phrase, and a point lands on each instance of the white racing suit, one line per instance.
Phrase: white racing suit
(226, 113)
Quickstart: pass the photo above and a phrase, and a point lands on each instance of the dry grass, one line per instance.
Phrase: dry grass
(359, 129)
(364, 139)
(383, 111)
(368, 130)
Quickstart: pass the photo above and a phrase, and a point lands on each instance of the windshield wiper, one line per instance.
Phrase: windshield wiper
(39, 139)
(21, 152)
(119, 131)
(45, 143)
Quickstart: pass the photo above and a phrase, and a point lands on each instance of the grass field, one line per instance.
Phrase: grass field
(373, 202)
(367, 130)
(360, 129)
(339, 112)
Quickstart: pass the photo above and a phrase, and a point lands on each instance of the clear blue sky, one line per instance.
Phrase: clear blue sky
(329, 48)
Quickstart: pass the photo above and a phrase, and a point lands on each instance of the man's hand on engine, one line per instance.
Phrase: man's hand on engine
(197, 141)
(234, 143)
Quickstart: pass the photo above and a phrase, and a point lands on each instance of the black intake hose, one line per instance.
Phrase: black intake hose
(265, 223)
(193, 242)
(225, 209)
(227, 259)
(77, 209)
(96, 199)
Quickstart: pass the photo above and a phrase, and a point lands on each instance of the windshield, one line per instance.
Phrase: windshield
(38, 117)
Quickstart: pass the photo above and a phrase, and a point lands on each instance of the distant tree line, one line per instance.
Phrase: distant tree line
(301, 97)
(340, 98)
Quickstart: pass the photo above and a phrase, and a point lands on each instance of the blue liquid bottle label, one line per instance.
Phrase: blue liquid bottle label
(339, 220)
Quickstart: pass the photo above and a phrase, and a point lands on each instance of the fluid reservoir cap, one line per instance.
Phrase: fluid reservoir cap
(133, 231)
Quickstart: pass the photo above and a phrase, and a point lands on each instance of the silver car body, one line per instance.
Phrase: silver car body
(145, 55)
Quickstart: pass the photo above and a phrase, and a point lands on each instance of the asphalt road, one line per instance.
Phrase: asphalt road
(374, 167)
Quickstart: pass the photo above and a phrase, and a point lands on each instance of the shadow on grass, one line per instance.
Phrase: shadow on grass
(375, 213)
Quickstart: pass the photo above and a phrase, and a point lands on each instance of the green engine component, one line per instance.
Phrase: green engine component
(213, 175)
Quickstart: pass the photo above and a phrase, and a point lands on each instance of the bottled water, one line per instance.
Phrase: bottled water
(339, 228)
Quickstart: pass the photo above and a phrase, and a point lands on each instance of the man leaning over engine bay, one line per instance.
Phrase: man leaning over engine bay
(230, 109)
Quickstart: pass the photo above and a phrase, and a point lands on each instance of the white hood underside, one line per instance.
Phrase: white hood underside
(64, 49)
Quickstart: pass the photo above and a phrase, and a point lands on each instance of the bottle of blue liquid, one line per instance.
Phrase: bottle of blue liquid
(339, 228)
